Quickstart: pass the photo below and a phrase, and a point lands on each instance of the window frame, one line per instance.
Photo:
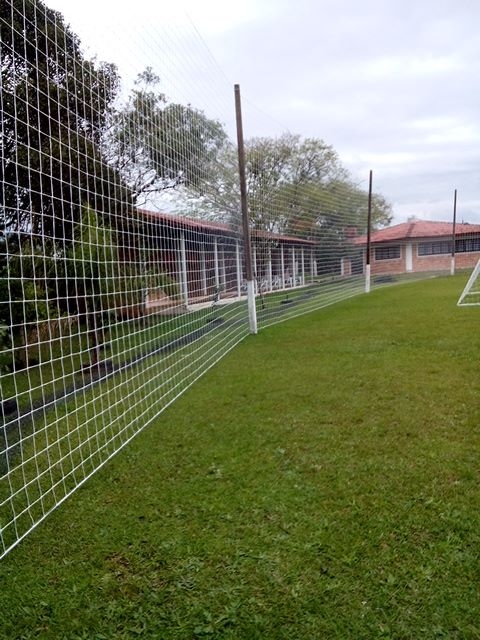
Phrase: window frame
(431, 248)
(396, 248)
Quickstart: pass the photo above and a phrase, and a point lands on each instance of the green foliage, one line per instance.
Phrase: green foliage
(299, 186)
(25, 286)
(5, 349)
(94, 280)
(295, 186)
(155, 279)
(330, 214)
(161, 145)
(91, 264)
(96, 277)
(50, 131)
(278, 170)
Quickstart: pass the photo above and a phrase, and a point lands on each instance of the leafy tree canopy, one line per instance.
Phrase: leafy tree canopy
(295, 185)
(55, 105)
(157, 145)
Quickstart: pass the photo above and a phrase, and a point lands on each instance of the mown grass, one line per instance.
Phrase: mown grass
(321, 482)
(49, 455)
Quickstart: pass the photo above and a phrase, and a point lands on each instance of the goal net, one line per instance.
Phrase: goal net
(470, 296)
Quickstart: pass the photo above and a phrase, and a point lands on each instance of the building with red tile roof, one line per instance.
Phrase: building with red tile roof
(419, 245)
(205, 258)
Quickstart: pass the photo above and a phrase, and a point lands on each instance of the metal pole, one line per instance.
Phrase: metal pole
(252, 311)
(369, 225)
(452, 264)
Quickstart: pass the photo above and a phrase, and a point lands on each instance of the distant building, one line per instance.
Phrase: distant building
(205, 259)
(419, 245)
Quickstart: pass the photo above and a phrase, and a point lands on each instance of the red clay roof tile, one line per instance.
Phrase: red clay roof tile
(206, 226)
(419, 229)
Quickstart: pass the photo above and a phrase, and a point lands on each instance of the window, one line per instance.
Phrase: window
(436, 248)
(467, 244)
(439, 247)
(387, 253)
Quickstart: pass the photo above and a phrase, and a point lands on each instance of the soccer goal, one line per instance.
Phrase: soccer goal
(471, 294)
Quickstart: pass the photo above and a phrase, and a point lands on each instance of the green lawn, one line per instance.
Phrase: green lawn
(321, 482)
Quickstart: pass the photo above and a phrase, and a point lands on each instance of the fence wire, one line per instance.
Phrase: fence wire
(122, 268)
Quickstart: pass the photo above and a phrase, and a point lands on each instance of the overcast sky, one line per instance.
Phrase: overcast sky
(393, 85)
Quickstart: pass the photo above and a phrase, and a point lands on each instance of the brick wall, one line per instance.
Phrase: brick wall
(423, 263)
(395, 265)
(434, 263)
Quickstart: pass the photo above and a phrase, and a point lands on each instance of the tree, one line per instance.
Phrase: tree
(340, 203)
(104, 276)
(96, 280)
(331, 215)
(296, 187)
(55, 106)
(157, 145)
(25, 285)
(277, 172)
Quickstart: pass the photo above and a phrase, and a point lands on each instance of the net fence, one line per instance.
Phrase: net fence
(123, 274)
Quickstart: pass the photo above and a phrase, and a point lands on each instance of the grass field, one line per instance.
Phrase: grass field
(321, 482)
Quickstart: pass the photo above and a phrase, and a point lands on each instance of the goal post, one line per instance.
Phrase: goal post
(471, 294)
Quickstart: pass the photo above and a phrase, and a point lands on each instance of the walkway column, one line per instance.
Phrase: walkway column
(183, 270)
(294, 268)
(303, 266)
(282, 265)
(203, 267)
(223, 272)
(369, 235)
(314, 265)
(239, 268)
(215, 260)
(269, 269)
(408, 257)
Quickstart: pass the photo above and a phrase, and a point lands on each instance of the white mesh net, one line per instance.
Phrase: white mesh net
(122, 268)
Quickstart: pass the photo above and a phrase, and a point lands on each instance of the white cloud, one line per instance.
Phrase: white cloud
(410, 65)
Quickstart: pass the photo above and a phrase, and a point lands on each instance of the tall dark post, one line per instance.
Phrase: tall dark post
(369, 233)
(252, 314)
(452, 264)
